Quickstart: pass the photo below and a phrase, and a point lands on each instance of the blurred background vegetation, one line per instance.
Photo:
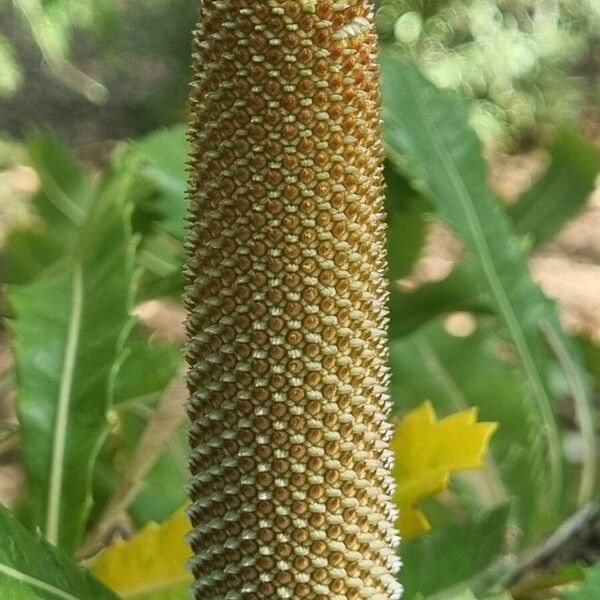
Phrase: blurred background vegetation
(119, 69)
(92, 100)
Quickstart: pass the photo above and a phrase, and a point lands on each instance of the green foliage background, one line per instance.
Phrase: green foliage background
(103, 233)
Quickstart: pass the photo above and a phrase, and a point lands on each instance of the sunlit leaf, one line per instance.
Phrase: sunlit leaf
(11, 74)
(428, 136)
(70, 324)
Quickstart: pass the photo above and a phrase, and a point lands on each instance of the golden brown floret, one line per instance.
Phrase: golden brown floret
(286, 295)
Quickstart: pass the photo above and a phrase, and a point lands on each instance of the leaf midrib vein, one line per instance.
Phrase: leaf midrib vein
(36, 583)
(64, 403)
(498, 291)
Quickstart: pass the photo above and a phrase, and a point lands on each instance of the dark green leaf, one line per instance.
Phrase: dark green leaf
(405, 210)
(30, 568)
(65, 189)
(452, 556)
(165, 153)
(164, 486)
(161, 258)
(560, 193)
(28, 252)
(159, 200)
(147, 368)
(142, 378)
(591, 351)
(459, 291)
(68, 332)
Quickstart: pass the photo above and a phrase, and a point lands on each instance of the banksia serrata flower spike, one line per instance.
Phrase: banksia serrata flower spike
(287, 299)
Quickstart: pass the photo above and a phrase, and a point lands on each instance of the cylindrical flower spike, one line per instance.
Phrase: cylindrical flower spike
(287, 290)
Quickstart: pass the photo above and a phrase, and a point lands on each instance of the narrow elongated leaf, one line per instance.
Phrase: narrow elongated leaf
(32, 569)
(62, 203)
(428, 134)
(560, 193)
(70, 324)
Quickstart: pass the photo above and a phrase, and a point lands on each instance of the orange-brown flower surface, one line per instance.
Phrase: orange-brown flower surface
(291, 485)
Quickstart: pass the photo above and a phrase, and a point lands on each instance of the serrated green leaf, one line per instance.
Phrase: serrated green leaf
(31, 569)
(160, 211)
(68, 333)
(62, 203)
(427, 133)
(560, 193)
(161, 258)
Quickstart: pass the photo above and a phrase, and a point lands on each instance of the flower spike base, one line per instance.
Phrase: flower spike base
(286, 298)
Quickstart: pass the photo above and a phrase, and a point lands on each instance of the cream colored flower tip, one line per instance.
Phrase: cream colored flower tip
(286, 295)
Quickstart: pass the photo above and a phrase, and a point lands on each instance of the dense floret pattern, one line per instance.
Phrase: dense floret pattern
(287, 313)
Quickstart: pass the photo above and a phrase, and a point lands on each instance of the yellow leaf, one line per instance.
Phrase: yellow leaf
(152, 560)
(426, 452)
